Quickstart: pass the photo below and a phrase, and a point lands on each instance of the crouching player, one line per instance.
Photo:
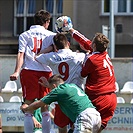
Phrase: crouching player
(73, 102)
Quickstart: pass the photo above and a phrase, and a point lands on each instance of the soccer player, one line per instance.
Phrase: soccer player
(64, 61)
(99, 71)
(30, 44)
(72, 101)
(68, 64)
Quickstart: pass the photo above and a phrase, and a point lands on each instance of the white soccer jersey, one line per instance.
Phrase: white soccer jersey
(66, 63)
(31, 43)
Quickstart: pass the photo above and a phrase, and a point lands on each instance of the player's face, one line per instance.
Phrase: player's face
(47, 24)
(93, 45)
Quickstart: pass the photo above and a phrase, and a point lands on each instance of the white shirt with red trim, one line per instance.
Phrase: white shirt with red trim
(66, 63)
(31, 43)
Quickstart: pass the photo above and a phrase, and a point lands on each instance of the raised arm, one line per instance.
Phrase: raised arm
(33, 106)
(84, 42)
(81, 39)
(47, 50)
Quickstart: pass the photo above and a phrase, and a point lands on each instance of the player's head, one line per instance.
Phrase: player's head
(60, 41)
(42, 17)
(55, 80)
(100, 42)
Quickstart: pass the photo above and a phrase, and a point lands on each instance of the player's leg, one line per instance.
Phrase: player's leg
(29, 83)
(27, 89)
(46, 120)
(28, 123)
(0, 124)
(100, 130)
(88, 121)
(83, 125)
(46, 116)
(62, 130)
(108, 109)
(70, 131)
(106, 105)
(61, 120)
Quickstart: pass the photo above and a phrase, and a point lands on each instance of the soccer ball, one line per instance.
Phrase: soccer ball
(63, 24)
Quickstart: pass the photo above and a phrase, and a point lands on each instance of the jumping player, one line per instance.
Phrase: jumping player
(100, 82)
(30, 44)
(73, 102)
(98, 68)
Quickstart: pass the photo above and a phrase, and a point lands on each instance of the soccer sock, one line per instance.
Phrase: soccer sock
(28, 123)
(46, 122)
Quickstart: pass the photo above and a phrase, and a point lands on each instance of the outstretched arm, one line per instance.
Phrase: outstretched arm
(33, 106)
(84, 42)
(47, 50)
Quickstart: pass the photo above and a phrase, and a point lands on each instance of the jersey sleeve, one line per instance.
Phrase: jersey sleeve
(51, 97)
(87, 67)
(48, 41)
(82, 40)
(23, 39)
(42, 58)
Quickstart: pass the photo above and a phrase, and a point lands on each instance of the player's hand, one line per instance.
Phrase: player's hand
(23, 107)
(36, 123)
(14, 76)
(44, 82)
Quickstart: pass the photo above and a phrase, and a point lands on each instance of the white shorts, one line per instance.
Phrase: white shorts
(88, 121)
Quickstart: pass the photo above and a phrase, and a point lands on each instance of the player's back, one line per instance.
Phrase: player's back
(101, 78)
(66, 63)
(30, 42)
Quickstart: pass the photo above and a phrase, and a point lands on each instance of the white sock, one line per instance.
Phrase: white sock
(28, 123)
(46, 122)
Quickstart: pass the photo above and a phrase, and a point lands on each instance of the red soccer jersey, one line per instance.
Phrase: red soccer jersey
(97, 68)
(100, 74)
(100, 80)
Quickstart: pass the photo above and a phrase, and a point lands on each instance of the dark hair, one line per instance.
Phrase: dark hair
(41, 17)
(101, 42)
(60, 41)
(55, 79)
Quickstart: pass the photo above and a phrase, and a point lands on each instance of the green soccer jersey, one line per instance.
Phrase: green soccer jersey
(71, 99)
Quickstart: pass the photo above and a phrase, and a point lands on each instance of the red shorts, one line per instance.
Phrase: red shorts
(29, 82)
(60, 119)
(106, 105)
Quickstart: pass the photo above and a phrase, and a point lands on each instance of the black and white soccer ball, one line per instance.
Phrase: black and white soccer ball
(63, 24)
